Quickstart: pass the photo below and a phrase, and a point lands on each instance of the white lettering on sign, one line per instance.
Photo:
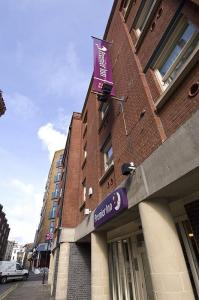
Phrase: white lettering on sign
(102, 60)
(105, 211)
(103, 72)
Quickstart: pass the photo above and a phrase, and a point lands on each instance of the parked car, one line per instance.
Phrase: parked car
(11, 270)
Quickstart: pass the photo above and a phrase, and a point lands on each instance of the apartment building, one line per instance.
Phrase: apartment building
(46, 226)
(9, 249)
(126, 232)
(2, 104)
(4, 232)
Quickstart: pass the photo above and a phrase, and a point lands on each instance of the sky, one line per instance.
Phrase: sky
(46, 64)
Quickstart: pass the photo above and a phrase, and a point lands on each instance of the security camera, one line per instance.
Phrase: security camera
(87, 211)
(128, 168)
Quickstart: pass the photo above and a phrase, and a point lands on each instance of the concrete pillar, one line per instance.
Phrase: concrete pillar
(62, 275)
(51, 267)
(55, 271)
(99, 267)
(169, 273)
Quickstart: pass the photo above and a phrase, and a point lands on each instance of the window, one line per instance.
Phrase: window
(143, 15)
(182, 44)
(18, 267)
(53, 211)
(85, 151)
(104, 110)
(108, 155)
(125, 6)
(52, 226)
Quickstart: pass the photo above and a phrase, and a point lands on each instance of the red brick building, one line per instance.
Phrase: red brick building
(135, 236)
(4, 232)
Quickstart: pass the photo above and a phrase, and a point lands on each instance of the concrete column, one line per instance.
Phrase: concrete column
(51, 267)
(62, 275)
(169, 273)
(99, 267)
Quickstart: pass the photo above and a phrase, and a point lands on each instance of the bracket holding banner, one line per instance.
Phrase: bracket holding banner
(121, 99)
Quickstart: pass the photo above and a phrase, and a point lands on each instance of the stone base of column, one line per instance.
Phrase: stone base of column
(99, 267)
(62, 272)
(168, 268)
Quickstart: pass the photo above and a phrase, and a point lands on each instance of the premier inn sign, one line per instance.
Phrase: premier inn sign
(102, 65)
(110, 207)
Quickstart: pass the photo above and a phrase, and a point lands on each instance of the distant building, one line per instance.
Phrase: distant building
(17, 253)
(48, 212)
(27, 254)
(2, 104)
(4, 232)
(9, 250)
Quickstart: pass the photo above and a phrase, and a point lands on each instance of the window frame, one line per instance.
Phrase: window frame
(84, 191)
(125, 7)
(169, 46)
(108, 161)
(143, 16)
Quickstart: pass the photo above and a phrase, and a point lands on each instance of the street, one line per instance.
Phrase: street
(32, 289)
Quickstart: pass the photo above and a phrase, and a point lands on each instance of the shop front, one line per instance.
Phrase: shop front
(152, 249)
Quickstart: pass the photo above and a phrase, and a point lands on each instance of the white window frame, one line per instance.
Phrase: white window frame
(125, 7)
(108, 161)
(144, 15)
(179, 29)
(84, 190)
(85, 151)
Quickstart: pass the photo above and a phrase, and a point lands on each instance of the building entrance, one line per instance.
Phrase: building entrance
(191, 253)
(129, 269)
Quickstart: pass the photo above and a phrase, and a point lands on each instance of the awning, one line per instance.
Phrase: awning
(42, 247)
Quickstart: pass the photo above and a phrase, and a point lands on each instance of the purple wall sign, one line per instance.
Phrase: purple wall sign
(110, 207)
(102, 65)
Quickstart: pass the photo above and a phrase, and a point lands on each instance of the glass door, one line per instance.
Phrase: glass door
(129, 271)
(191, 253)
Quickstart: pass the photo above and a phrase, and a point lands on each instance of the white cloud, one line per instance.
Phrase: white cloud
(21, 105)
(22, 205)
(51, 138)
(26, 188)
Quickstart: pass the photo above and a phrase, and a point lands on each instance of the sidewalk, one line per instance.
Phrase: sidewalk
(31, 290)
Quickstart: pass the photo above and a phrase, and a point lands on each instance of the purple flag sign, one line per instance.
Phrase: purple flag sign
(102, 65)
(110, 207)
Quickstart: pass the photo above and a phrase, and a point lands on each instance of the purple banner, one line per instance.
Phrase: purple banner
(102, 65)
(110, 207)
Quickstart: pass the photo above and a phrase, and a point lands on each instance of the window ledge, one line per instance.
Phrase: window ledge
(173, 86)
(106, 174)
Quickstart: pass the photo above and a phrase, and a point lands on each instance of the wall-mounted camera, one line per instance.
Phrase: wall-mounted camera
(128, 168)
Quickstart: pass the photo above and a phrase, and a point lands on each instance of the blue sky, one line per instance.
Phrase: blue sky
(46, 65)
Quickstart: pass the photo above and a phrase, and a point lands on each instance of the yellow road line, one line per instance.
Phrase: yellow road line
(7, 292)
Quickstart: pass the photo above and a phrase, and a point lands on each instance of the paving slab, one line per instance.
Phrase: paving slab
(31, 290)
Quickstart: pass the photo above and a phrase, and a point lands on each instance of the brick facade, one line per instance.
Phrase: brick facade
(4, 232)
(144, 133)
(149, 125)
(79, 279)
